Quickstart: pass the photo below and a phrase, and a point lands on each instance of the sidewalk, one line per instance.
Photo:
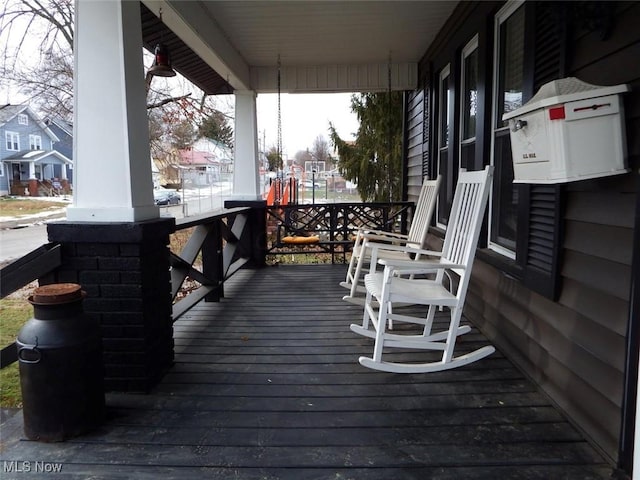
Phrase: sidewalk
(36, 218)
(27, 220)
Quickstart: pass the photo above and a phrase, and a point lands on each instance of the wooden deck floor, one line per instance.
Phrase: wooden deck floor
(266, 385)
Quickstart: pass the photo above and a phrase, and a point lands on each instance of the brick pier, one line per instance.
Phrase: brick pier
(124, 268)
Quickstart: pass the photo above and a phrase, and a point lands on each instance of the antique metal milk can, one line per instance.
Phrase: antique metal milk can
(61, 369)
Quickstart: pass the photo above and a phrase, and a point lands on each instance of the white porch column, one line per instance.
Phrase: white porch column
(32, 170)
(246, 168)
(112, 172)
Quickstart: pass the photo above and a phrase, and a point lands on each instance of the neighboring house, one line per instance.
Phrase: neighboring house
(219, 151)
(198, 169)
(29, 164)
(64, 131)
(553, 279)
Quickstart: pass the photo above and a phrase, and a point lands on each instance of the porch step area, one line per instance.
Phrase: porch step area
(267, 384)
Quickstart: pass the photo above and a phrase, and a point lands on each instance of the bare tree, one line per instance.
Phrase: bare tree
(321, 150)
(45, 26)
(36, 58)
(47, 77)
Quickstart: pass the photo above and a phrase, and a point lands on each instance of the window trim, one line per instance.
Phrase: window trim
(472, 46)
(499, 19)
(23, 119)
(33, 139)
(445, 72)
(11, 139)
(469, 48)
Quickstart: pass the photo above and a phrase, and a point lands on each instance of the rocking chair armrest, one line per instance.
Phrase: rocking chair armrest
(382, 235)
(402, 248)
(418, 266)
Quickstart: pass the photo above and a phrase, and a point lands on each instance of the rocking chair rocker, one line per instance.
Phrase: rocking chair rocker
(389, 287)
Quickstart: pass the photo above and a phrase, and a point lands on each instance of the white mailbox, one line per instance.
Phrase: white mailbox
(570, 130)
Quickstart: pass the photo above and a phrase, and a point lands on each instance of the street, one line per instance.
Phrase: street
(16, 242)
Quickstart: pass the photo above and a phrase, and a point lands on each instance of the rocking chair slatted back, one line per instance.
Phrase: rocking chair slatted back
(417, 236)
(464, 225)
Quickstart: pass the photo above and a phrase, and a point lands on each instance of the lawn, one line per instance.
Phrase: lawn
(15, 312)
(20, 207)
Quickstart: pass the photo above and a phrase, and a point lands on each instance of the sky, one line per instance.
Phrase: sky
(304, 118)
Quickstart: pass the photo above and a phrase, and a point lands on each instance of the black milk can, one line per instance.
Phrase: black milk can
(61, 370)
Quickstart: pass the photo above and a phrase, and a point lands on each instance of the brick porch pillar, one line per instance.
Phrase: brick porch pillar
(124, 268)
(33, 187)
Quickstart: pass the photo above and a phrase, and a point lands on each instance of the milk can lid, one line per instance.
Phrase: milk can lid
(57, 293)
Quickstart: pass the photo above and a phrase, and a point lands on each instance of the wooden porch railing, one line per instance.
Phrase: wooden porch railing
(334, 224)
(23, 271)
(220, 239)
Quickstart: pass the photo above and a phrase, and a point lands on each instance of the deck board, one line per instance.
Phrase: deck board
(266, 384)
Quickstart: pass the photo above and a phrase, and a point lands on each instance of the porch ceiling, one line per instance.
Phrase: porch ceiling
(335, 45)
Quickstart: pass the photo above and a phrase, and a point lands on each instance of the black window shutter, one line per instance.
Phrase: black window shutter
(427, 171)
(541, 205)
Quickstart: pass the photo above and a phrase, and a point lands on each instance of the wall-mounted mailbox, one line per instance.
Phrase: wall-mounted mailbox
(570, 130)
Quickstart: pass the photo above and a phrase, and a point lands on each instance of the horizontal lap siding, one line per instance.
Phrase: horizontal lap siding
(599, 219)
(554, 346)
(575, 348)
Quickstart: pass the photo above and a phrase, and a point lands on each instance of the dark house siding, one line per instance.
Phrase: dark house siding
(599, 216)
(573, 343)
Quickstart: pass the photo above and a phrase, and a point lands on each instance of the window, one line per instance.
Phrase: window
(23, 119)
(12, 141)
(507, 96)
(35, 142)
(469, 103)
(445, 115)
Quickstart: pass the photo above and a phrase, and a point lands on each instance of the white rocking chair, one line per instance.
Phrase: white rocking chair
(388, 287)
(390, 245)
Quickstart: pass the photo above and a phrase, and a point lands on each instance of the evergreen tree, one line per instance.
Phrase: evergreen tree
(216, 127)
(373, 161)
(275, 159)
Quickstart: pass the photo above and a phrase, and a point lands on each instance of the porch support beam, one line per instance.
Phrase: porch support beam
(246, 162)
(112, 174)
(336, 78)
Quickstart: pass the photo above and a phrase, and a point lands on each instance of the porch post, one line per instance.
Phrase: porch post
(112, 172)
(114, 243)
(33, 181)
(246, 163)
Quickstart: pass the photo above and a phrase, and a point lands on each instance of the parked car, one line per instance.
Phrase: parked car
(164, 196)
(310, 184)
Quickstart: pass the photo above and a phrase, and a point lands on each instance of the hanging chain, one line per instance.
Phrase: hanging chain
(279, 135)
(389, 133)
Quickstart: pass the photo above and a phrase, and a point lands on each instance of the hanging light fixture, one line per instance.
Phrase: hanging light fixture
(161, 66)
